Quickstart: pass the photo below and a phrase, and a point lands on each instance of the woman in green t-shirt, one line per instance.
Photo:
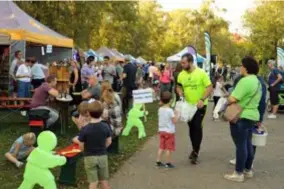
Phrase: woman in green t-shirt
(247, 94)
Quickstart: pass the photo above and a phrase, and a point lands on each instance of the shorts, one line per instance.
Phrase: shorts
(167, 141)
(96, 168)
(274, 98)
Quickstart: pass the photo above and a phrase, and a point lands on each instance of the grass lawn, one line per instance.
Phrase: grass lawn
(15, 125)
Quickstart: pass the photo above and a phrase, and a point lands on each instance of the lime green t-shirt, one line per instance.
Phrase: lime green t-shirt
(243, 92)
(194, 85)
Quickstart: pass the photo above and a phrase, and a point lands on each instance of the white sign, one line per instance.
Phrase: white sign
(142, 96)
(42, 51)
(48, 48)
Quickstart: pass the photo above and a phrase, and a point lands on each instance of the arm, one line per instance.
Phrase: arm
(53, 92)
(86, 94)
(81, 146)
(108, 141)
(179, 90)
(17, 148)
(43, 67)
(12, 69)
(76, 77)
(20, 74)
(175, 118)
(279, 78)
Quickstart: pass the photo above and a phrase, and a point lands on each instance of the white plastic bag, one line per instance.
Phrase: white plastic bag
(185, 110)
(219, 107)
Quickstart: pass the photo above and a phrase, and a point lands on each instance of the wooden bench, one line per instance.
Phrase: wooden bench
(8, 103)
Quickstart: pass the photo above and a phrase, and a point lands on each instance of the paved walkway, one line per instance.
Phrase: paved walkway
(139, 171)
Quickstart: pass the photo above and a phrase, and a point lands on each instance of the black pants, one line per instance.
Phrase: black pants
(196, 129)
(37, 82)
(127, 99)
(216, 99)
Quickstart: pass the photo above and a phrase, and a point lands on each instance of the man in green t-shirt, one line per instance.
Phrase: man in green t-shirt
(195, 86)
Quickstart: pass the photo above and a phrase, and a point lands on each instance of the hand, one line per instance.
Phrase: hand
(272, 85)
(146, 112)
(200, 104)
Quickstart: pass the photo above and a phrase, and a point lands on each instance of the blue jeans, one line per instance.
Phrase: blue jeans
(24, 89)
(241, 133)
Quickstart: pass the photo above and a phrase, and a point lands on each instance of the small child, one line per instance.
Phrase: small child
(167, 121)
(94, 139)
(21, 149)
(82, 119)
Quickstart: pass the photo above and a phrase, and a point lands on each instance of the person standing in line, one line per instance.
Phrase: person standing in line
(94, 139)
(75, 82)
(167, 121)
(129, 79)
(274, 82)
(87, 71)
(23, 76)
(38, 76)
(246, 94)
(195, 85)
(12, 73)
(109, 71)
(165, 78)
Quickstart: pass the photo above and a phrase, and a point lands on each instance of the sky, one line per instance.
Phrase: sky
(235, 9)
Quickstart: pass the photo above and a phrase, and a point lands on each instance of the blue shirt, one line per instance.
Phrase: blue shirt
(273, 77)
(146, 68)
(37, 71)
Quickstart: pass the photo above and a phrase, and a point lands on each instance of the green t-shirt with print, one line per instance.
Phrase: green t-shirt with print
(194, 85)
(244, 92)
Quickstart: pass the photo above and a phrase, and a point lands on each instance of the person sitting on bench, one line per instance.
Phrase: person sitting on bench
(39, 99)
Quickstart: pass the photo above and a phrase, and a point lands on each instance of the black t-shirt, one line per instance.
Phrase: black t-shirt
(94, 136)
(130, 71)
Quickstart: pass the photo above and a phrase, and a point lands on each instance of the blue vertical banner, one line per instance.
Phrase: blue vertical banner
(280, 56)
(207, 65)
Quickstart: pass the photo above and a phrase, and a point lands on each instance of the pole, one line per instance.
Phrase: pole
(145, 116)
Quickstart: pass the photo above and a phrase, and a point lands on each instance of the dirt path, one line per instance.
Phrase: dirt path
(139, 172)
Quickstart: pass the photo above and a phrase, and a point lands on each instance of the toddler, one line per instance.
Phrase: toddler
(167, 121)
(21, 149)
(82, 119)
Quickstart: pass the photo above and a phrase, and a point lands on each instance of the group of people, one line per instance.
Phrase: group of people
(248, 91)
(99, 115)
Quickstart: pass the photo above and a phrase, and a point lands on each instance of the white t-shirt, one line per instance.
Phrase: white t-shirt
(24, 70)
(218, 90)
(165, 120)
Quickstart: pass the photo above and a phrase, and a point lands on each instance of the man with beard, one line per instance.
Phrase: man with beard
(195, 86)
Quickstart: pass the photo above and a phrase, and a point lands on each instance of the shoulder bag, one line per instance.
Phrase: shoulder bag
(234, 110)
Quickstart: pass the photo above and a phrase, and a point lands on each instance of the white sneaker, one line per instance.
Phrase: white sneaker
(19, 164)
(235, 177)
(248, 173)
(271, 116)
(24, 113)
(233, 161)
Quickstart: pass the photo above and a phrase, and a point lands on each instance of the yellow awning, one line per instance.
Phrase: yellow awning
(20, 34)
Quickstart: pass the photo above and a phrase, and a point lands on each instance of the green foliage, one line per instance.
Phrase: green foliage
(139, 28)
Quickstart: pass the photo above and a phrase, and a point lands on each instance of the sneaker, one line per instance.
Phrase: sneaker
(233, 162)
(271, 116)
(194, 158)
(191, 155)
(19, 164)
(169, 165)
(160, 164)
(24, 113)
(235, 177)
(248, 173)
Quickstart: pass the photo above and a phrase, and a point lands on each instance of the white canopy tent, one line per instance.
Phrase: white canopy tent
(177, 57)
